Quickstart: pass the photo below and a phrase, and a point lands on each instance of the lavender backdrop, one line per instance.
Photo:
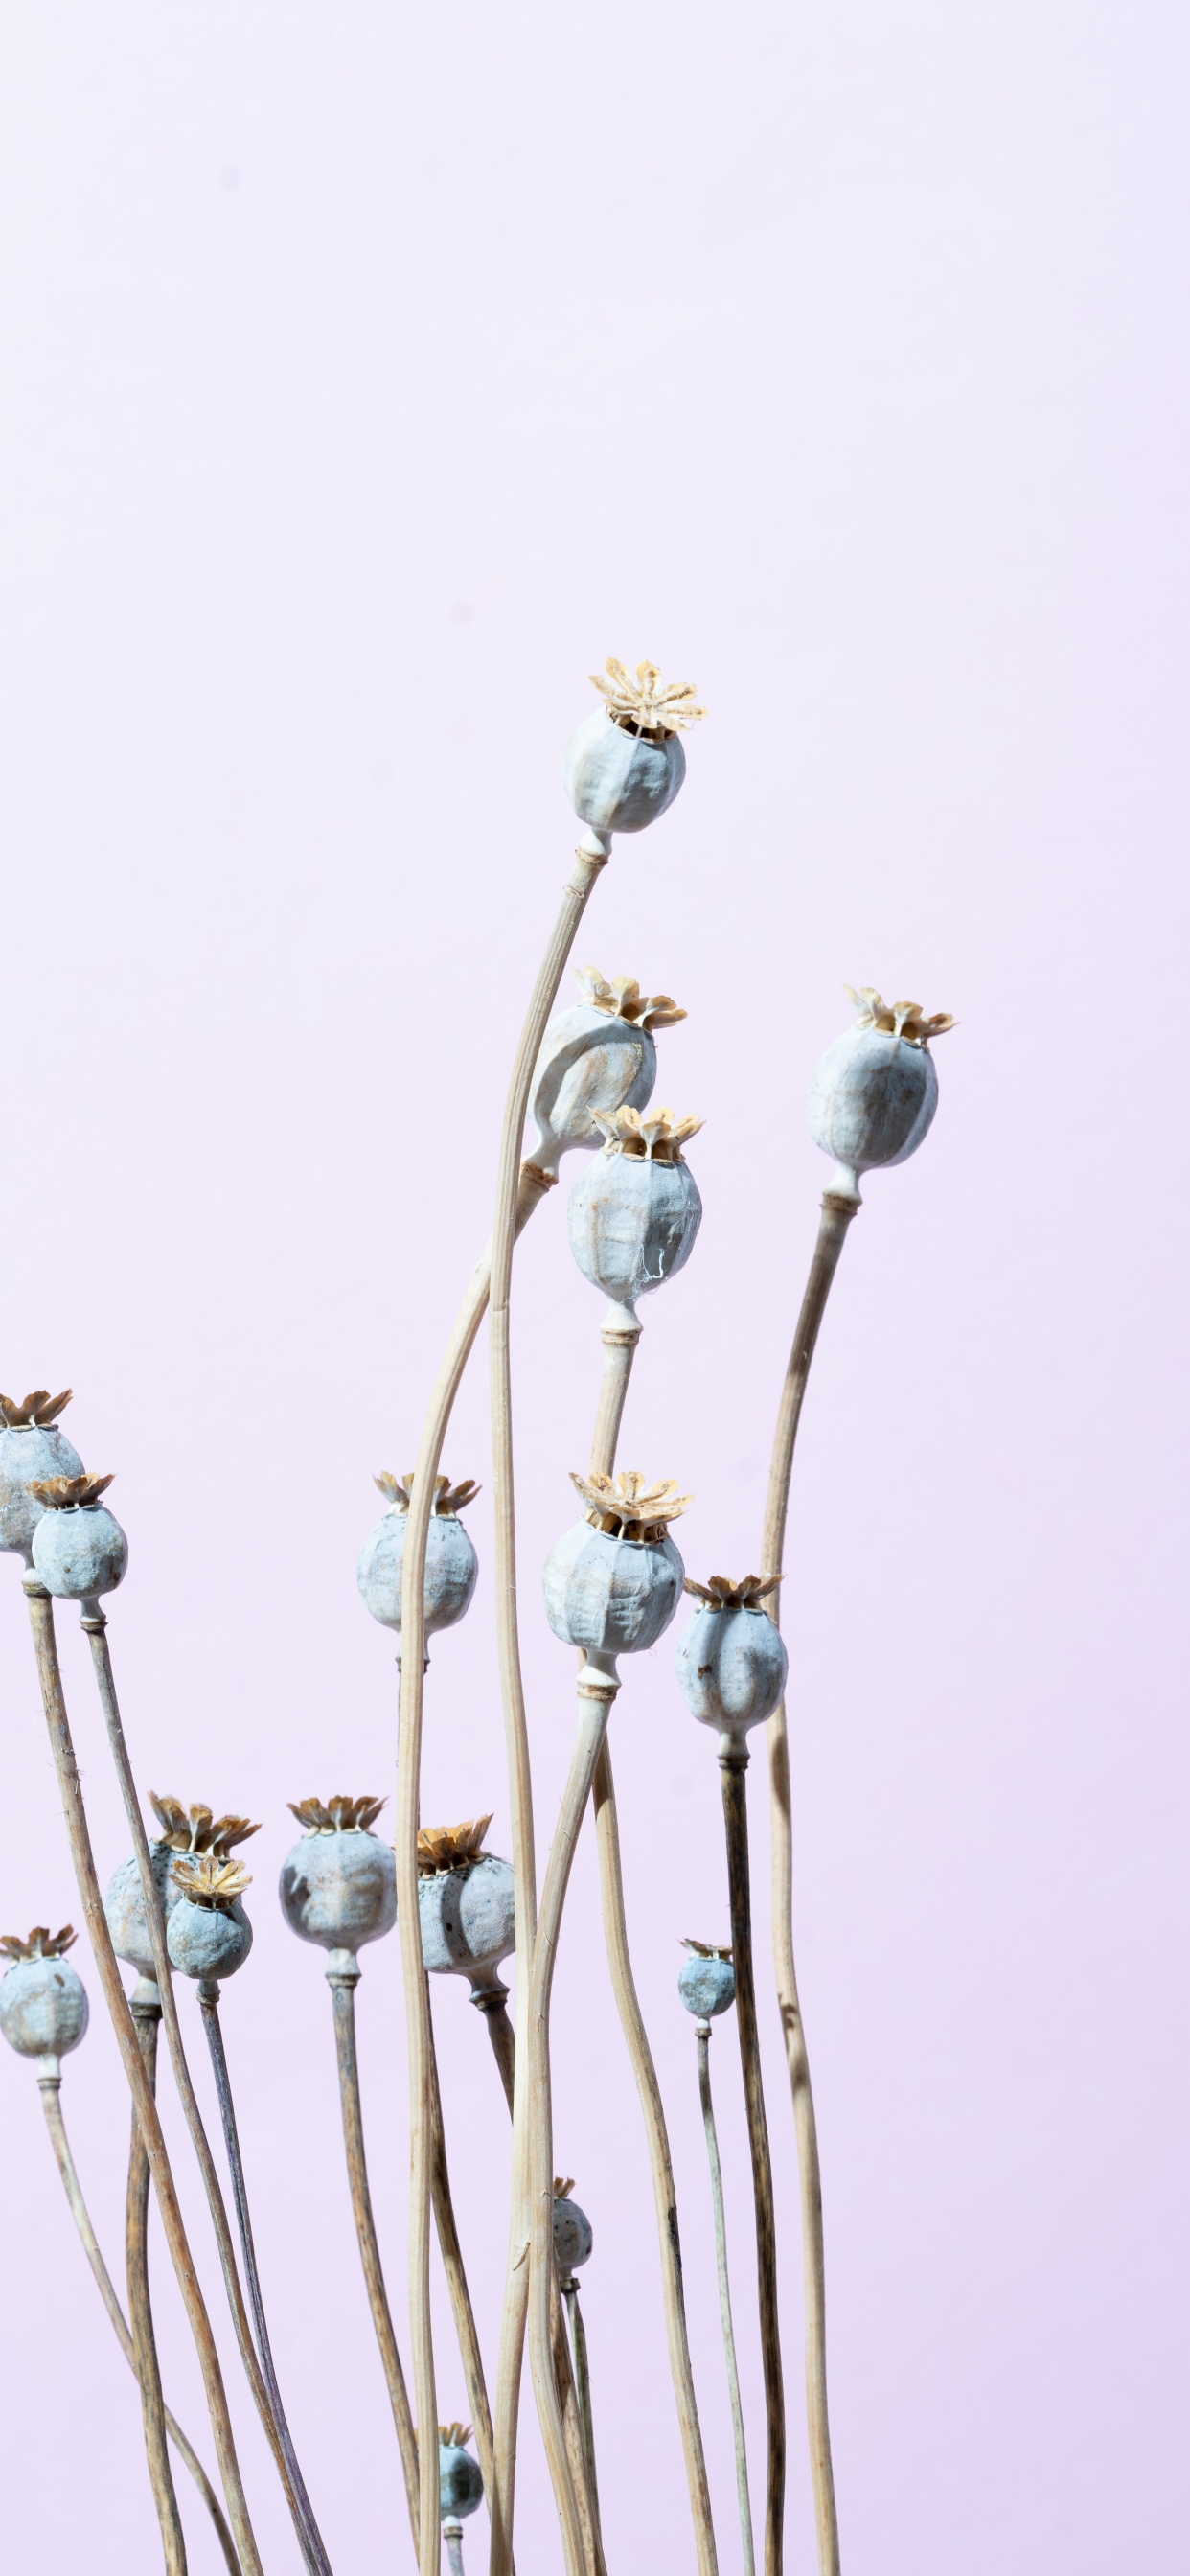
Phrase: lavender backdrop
(372, 372)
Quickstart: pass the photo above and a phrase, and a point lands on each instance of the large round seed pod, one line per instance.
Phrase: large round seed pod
(625, 764)
(706, 1981)
(466, 1901)
(635, 1211)
(451, 1562)
(460, 2478)
(875, 1090)
(79, 1548)
(43, 2001)
(598, 1055)
(573, 2234)
(186, 1833)
(731, 1660)
(208, 1934)
(613, 1582)
(338, 1886)
(32, 1450)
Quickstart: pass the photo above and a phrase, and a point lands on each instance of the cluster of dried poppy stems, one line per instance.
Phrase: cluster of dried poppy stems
(612, 1585)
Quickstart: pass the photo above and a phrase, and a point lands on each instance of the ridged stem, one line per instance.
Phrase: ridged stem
(733, 1767)
(582, 2379)
(342, 1986)
(309, 2536)
(837, 1213)
(147, 2016)
(452, 2533)
(492, 2002)
(729, 2353)
(41, 1617)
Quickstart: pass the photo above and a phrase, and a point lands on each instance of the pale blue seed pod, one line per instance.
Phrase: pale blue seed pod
(731, 1664)
(611, 1596)
(468, 1919)
(706, 1985)
(573, 2234)
(452, 1566)
(340, 1889)
(124, 1906)
(632, 1223)
(619, 781)
(208, 1940)
(80, 1551)
(588, 1061)
(30, 1454)
(874, 1092)
(43, 2007)
(460, 2478)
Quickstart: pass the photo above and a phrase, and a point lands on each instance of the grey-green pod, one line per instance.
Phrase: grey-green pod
(452, 1566)
(79, 1548)
(611, 1596)
(338, 1886)
(208, 1940)
(706, 1982)
(731, 1664)
(632, 1222)
(43, 2005)
(32, 1451)
(460, 2478)
(468, 1918)
(124, 1906)
(573, 2233)
(874, 1092)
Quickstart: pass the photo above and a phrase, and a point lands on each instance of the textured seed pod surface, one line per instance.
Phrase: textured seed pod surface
(468, 1917)
(208, 1940)
(340, 1889)
(872, 1099)
(573, 2235)
(30, 1456)
(632, 1223)
(451, 1570)
(43, 2007)
(124, 1906)
(81, 1552)
(732, 1666)
(460, 2481)
(588, 1061)
(617, 781)
(706, 1986)
(613, 1596)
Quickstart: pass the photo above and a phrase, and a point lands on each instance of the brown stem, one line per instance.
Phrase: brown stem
(837, 1213)
(147, 2015)
(41, 1616)
(342, 1985)
(703, 2030)
(456, 2278)
(733, 1764)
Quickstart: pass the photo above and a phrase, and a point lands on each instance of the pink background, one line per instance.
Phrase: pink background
(371, 373)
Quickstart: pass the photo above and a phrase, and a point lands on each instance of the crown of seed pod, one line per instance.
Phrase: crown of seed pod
(706, 1980)
(625, 764)
(208, 1934)
(874, 1092)
(79, 1548)
(451, 1561)
(634, 1212)
(573, 2233)
(184, 1830)
(338, 1886)
(43, 2002)
(460, 2478)
(466, 1903)
(596, 1057)
(613, 1581)
(731, 1660)
(32, 1449)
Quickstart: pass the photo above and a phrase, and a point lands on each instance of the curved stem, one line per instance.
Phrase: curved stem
(147, 2015)
(456, 2280)
(50, 2087)
(582, 2380)
(733, 1765)
(342, 1988)
(703, 2031)
(837, 1213)
(492, 2002)
(41, 1616)
(94, 1624)
(616, 1934)
(309, 2536)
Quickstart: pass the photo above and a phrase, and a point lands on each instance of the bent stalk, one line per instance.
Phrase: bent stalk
(343, 1982)
(703, 2035)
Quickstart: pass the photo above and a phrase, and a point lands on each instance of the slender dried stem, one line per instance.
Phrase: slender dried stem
(342, 1985)
(146, 2014)
(733, 1765)
(492, 2002)
(94, 1625)
(309, 2536)
(837, 1213)
(703, 2033)
(50, 2088)
(41, 1616)
(456, 2279)
(619, 1351)
(452, 2533)
(582, 2379)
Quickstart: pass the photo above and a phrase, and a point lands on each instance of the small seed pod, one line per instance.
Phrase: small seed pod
(598, 1055)
(626, 763)
(184, 1832)
(732, 1661)
(613, 1582)
(32, 1450)
(79, 1548)
(43, 2003)
(460, 2478)
(573, 2236)
(451, 1562)
(706, 1980)
(468, 1914)
(208, 1933)
(339, 1884)
(635, 1211)
(874, 1092)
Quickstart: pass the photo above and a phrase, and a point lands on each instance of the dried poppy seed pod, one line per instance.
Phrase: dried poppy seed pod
(573, 2234)
(625, 764)
(43, 2002)
(874, 1092)
(460, 2478)
(466, 1901)
(208, 1934)
(185, 1831)
(731, 1661)
(706, 1980)
(32, 1450)
(635, 1211)
(451, 1562)
(79, 1548)
(338, 1886)
(598, 1055)
(613, 1582)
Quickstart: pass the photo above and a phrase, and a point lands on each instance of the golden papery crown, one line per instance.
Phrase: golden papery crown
(338, 1816)
(211, 1881)
(453, 2436)
(65, 1493)
(658, 1137)
(196, 1829)
(636, 700)
(448, 1498)
(563, 2186)
(720, 1593)
(39, 1945)
(626, 1507)
(899, 1019)
(623, 999)
(445, 1847)
(706, 1949)
(37, 1409)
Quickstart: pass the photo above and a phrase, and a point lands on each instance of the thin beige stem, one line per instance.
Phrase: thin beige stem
(616, 1934)
(342, 1986)
(50, 2086)
(837, 1213)
(41, 1616)
(456, 2280)
(492, 2002)
(619, 1351)
(703, 2029)
(582, 2379)
(94, 1624)
(733, 1765)
(147, 2014)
